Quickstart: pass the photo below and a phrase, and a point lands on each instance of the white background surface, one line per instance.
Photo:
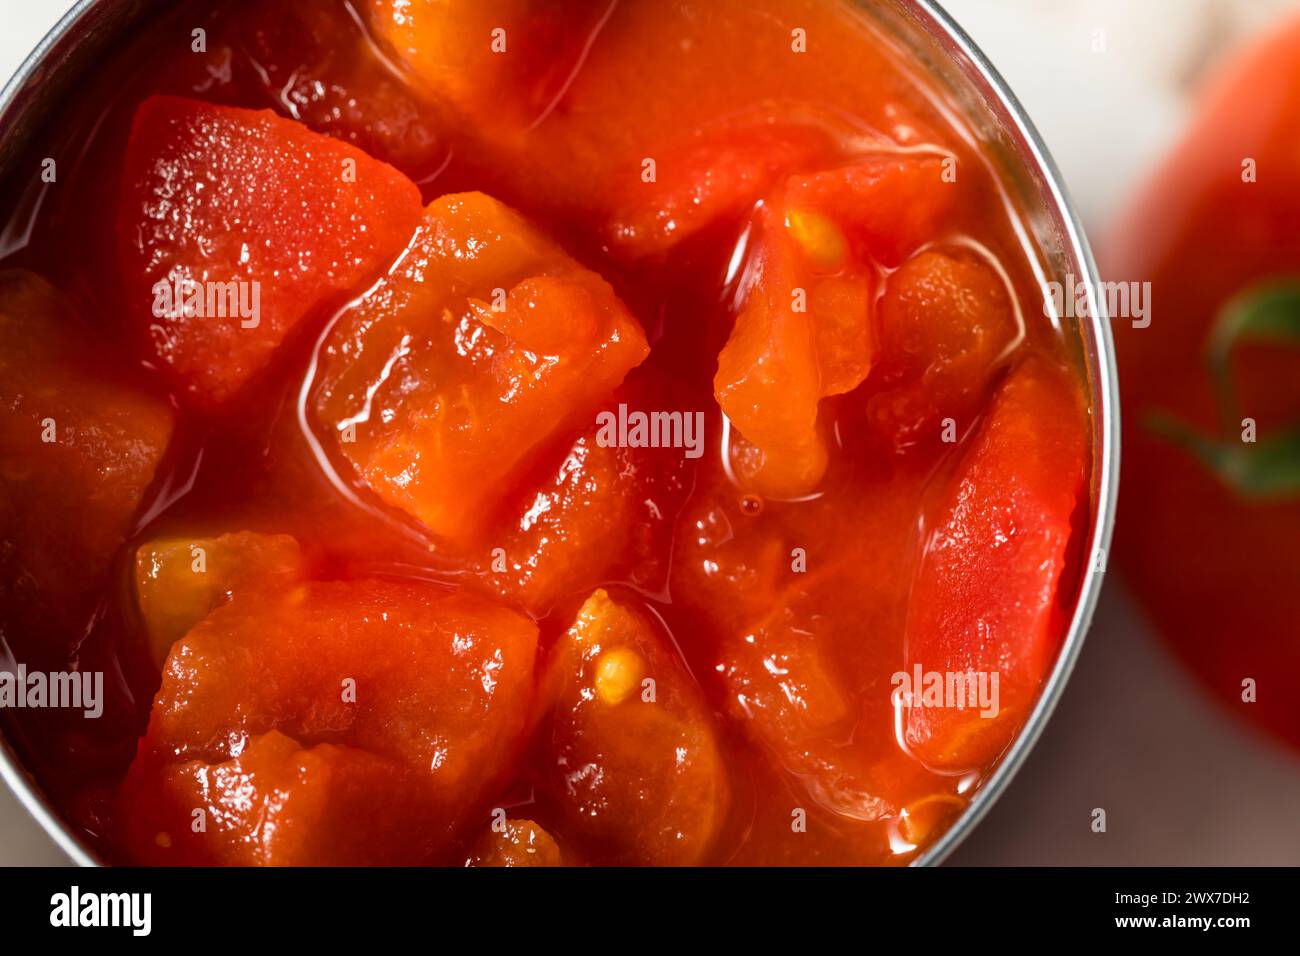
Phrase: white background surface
(1180, 783)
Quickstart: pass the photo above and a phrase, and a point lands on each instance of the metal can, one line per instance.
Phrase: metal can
(928, 40)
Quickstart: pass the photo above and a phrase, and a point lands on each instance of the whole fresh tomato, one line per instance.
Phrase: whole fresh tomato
(1209, 528)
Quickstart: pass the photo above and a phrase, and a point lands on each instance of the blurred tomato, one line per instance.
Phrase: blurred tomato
(1209, 527)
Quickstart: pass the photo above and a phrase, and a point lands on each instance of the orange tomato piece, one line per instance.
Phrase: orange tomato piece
(487, 340)
(806, 329)
(213, 200)
(637, 769)
(439, 683)
(79, 447)
(770, 378)
(519, 843)
(990, 596)
(946, 321)
(948, 316)
(178, 580)
(508, 59)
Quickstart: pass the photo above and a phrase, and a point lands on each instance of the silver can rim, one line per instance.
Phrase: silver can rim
(1105, 412)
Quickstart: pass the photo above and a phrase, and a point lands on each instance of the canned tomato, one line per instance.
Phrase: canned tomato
(601, 434)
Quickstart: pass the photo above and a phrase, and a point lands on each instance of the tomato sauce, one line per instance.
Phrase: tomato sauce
(367, 581)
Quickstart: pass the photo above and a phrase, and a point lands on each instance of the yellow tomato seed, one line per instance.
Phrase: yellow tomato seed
(821, 240)
(618, 673)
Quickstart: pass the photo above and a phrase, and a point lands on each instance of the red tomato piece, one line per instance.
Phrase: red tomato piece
(637, 768)
(445, 384)
(887, 206)
(438, 683)
(316, 61)
(783, 680)
(795, 614)
(277, 803)
(266, 219)
(568, 533)
(783, 653)
(989, 597)
(79, 448)
(601, 513)
(710, 179)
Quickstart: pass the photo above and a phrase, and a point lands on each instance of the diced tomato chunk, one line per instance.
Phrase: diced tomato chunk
(79, 447)
(791, 687)
(946, 320)
(568, 533)
(444, 384)
(600, 513)
(710, 179)
(518, 843)
(783, 678)
(438, 683)
(316, 60)
(806, 330)
(179, 580)
(797, 340)
(772, 350)
(315, 63)
(947, 314)
(888, 206)
(276, 803)
(506, 60)
(262, 218)
(637, 769)
(988, 596)
(795, 611)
